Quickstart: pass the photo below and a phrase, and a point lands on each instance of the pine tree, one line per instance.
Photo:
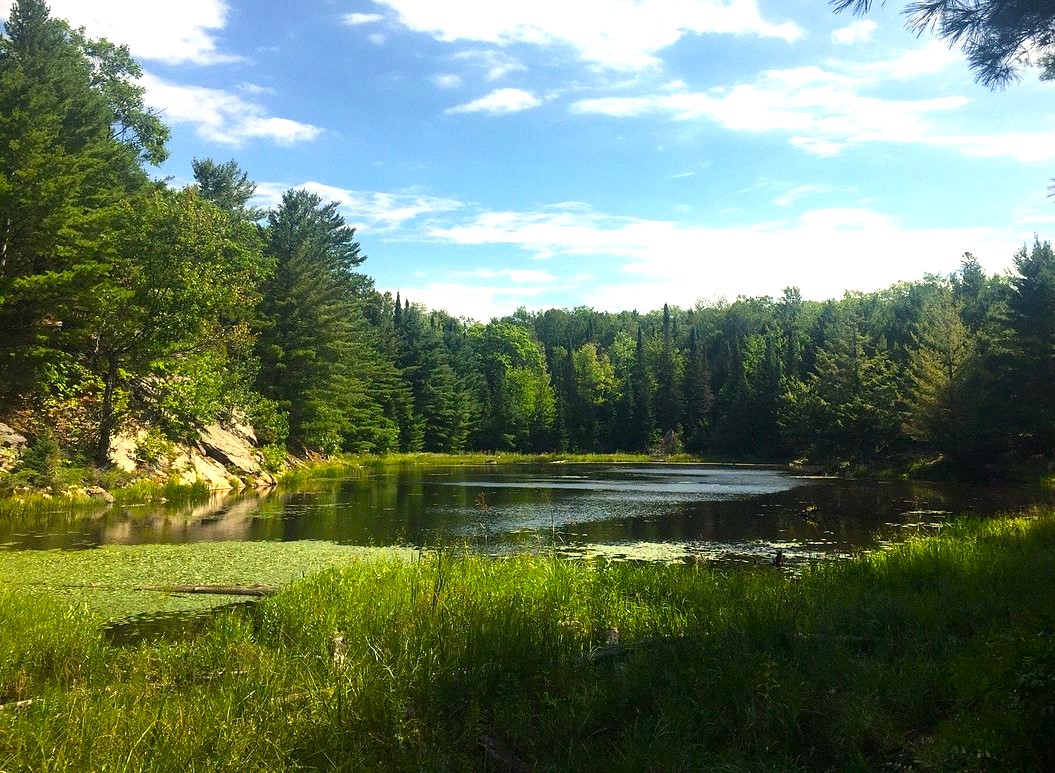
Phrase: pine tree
(226, 186)
(73, 131)
(699, 397)
(940, 367)
(319, 356)
(668, 397)
(641, 423)
(1024, 360)
(440, 417)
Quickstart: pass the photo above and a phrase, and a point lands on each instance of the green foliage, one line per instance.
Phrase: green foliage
(226, 186)
(887, 660)
(999, 38)
(40, 462)
(319, 357)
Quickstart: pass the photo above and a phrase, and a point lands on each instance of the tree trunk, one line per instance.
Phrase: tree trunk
(107, 415)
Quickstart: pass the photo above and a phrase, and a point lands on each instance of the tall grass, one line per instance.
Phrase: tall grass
(353, 465)
(937, 653)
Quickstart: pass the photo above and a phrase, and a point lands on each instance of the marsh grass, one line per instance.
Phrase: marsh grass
(356, 465)
(937, 653)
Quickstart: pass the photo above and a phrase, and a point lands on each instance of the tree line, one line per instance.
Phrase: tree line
(124, 299)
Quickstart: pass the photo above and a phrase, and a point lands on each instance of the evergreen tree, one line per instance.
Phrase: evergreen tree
(226, 186)
(699, 397)
(849, 407)
(72, 133)
(668, 398)
(942, 408)
(440, 418)
(641, 424)
(1024, 359)
(319, 356)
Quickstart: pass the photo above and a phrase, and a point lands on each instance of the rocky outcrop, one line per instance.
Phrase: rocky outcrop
(11, 446)
(223, 457)
(230, 450)
(124, 449)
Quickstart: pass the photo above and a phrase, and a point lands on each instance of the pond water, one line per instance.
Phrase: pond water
(651, 511)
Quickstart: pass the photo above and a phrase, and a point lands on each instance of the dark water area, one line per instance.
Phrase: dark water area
(656, 511)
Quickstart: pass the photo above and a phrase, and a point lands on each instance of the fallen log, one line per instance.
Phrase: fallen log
(17, 704)
(220, 590)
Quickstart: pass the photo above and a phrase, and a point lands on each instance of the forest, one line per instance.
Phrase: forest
(125, 300)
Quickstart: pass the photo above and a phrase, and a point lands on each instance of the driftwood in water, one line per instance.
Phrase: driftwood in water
(220, 590)
(17, 704)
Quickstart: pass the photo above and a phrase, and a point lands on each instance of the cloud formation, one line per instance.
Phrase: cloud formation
(825, 109)
(856, 32)
(355, 19)
(645, 263)
(611, 34)
(221, 116)
(380, 211)
(181, 32)
(499, 102)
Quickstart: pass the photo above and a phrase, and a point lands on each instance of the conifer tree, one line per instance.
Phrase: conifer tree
(668, 397)
(73, 131)
(319, 356)
(641, 421)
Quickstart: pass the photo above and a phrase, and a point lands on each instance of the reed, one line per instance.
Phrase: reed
(935, 653)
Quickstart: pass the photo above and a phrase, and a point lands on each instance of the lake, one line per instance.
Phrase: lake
(651, 511)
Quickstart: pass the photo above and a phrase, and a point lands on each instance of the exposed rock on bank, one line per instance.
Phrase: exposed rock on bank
(11, 446)
(223, 457)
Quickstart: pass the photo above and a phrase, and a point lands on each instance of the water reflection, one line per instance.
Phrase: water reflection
(692, 510)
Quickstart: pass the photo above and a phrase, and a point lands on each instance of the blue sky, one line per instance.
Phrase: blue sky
(607, 153)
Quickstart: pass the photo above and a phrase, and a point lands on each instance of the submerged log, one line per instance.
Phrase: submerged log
(220, 590)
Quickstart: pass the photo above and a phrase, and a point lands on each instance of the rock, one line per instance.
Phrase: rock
(230, 450)
(193, 466)
(124, 449)
(11, 446)
(98, 492)
(11, 439)
(240, 427)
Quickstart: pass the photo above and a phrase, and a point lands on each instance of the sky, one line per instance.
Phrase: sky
(617, 154)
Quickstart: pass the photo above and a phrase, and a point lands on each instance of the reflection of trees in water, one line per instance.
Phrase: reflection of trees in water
(420, 506)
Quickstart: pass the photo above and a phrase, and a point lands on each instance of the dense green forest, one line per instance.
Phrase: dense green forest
(124, 300)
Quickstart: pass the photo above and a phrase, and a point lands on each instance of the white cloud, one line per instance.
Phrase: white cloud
(355, 19)
(255, 89)
(377, 39)
(480, 302)
(447, 80)
(820, 109)
(221, 116)
(1021, 146)
(499, 102)
(792, 195)
(615, 34)
(928, 59)
(169, 32)
(649, 262)
(824, 110)
(517, 275)
(377, 210)
(856, 32)
(495, 64)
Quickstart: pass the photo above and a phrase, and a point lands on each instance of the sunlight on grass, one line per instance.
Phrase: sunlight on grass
(938, 652)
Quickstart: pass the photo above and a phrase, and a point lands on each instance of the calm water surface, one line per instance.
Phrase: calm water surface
(644, 510)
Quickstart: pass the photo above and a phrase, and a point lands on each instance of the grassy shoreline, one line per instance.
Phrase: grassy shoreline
(938, 653)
